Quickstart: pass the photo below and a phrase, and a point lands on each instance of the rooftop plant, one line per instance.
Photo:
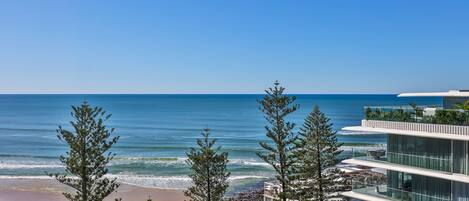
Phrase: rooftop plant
(463, 106)
(457, 116)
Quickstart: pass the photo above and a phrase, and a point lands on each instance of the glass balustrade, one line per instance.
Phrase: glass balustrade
(427, 162)
(383, 191)
(418, 114)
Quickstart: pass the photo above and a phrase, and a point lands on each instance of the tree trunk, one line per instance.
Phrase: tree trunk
(209, 193)
(84, 178)
(282, 156)
(318, 155)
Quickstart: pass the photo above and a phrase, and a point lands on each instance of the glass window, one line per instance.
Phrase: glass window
(459, 157)
(460, 191)
(404, 186)
(420, 152)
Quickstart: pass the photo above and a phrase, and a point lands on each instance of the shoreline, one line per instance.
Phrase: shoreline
(50, 190)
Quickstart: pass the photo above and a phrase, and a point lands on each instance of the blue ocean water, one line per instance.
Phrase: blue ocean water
(157, 130)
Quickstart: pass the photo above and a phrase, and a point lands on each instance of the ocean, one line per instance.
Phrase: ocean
(157, 130)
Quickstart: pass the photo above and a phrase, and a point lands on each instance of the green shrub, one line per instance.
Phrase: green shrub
(451, 117)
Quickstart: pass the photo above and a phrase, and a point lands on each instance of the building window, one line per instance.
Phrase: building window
(421, 152)
(404, 186)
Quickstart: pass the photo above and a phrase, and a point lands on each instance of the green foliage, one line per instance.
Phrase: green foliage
(373, 114)
(442, 116)
(368, 113)
(397, 115)
(463, 106)
(451, 117)
(392, 115)
(418, 111)
(209, 174)
(278, 153)
(317, 152)
(88, 155)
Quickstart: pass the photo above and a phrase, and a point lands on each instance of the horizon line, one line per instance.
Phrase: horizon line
(195, 93)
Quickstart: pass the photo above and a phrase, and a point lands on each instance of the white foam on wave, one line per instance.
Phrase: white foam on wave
(180, 161)
(170, 182)
(164, 182)
(28, 166)
(242, 177)
(249, 162)
(149, 160)
(24, 177)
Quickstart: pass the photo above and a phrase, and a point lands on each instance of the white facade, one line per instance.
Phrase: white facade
(405, 165)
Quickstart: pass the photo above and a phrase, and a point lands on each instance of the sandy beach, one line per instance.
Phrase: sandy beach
(50, 190)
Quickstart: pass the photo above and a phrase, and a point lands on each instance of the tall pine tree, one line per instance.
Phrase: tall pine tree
(85, 161)
(316, 177)
(209, 174)
(278, 153)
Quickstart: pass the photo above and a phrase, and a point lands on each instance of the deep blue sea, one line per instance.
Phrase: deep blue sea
(157, 130)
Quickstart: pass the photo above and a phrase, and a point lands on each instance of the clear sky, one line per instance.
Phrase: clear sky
(226, 46)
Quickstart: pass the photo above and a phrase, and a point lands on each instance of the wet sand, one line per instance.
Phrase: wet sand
(50, 190)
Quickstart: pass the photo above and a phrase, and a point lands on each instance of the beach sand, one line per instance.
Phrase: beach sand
(51, 190)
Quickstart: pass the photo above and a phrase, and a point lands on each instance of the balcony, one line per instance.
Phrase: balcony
(421, 121)
(414, 164)
(417, 127)
(450, 132)
(382, 191)
(392, 158)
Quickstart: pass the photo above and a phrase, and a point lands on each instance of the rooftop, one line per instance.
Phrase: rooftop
(450, 93)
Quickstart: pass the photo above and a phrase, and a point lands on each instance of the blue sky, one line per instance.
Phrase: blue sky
(233, 46)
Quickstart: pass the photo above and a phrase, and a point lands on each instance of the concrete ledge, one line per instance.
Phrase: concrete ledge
(361, 196)
(403, 131)
(409, 169)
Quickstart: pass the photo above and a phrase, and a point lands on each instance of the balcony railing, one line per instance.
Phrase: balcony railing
(427, 162)
(383, 191)
(418, 127)
(418, 114)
